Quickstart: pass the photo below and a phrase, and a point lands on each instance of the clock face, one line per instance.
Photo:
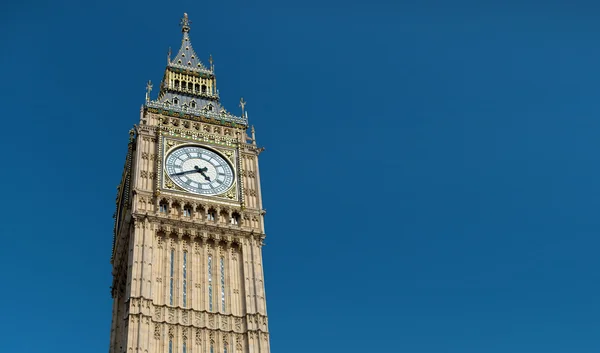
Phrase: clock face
(199, 170)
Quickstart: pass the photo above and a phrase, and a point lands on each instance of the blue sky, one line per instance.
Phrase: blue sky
(430, 175)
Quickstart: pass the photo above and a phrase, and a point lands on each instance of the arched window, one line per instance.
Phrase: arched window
(193, 104)
(175, 101)
(196, 87)
(163, 207)
(235, 218)
(203, 88)
(211, 215)
(190, 86)
(176, 84)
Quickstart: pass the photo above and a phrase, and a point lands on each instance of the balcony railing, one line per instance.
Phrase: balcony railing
(196, 92)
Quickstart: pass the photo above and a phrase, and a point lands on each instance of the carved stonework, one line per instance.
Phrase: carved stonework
(238, 338)
(224, 325)
(156, 331)
(198, 337)
(199, 319)
(184, 333)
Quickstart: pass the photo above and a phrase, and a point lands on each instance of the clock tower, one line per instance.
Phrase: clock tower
(189, 225)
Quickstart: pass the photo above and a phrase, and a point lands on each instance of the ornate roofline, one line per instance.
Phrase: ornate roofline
(183, 112)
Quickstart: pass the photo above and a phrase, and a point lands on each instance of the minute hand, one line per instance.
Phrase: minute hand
(186, 172)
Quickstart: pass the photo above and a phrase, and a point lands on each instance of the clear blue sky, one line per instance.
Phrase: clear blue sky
(431, 174)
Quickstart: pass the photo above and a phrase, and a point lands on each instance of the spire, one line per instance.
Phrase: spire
(187, 57)
(190, 88)
(242, 105)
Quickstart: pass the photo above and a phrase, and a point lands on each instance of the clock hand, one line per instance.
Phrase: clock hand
(186, 172)
(201, 171)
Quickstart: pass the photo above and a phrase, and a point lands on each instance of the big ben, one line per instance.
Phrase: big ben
(189, 225)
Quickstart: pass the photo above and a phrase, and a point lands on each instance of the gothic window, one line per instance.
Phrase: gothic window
(225, 348)
(193, 104)
(212, 348)
(184, 347)
(210, 301)
(176, 84)
(210, 216)
(170, 345)
(235, 218)
(196, 87)
(175, 100)
(210, 107)
(187, 211)
(163, 207)
(184, 278)
(171, 277)
(203, 88)
(222, 284)
(190, 86)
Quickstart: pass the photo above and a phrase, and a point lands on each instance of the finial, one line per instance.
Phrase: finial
(131, 134)
(148, 90)
(210, 60)
(169, 56)
(253, 135)
(185, 23)
(243, 105)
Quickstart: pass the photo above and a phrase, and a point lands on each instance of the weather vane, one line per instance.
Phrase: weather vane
(185, 23)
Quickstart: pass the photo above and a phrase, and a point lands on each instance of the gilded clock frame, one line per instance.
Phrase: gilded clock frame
(230, 154)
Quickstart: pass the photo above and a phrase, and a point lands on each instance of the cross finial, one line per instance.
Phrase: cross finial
(148, 90)
(243, 105)
(210, 61)
(185, 23)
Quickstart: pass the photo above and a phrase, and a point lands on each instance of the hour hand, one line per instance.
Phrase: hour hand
(201, 171)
